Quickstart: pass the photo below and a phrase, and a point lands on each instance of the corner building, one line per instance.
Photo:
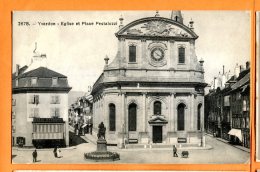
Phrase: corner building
(39, 106)
(153, 90)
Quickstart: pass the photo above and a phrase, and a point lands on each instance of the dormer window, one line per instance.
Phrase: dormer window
(54, 81)
(34, 81)
(132, 53)
(181, 55)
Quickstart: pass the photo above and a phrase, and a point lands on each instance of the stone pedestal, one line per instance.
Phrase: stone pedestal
(101, 154)
(101, 145)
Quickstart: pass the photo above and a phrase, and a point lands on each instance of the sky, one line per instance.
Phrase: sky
(78, 51)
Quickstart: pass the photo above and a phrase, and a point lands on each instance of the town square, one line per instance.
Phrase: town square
(98, 87)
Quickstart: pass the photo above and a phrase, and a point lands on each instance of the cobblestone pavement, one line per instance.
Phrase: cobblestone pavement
(220, 153)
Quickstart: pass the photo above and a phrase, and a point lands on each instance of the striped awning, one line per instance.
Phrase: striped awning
(47, 136)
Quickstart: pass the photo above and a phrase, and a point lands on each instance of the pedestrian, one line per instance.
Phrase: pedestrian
(58, 152)
(55, 152)
(175, 151)
(34, 154)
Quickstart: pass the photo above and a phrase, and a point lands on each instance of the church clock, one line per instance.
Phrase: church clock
(157, 54)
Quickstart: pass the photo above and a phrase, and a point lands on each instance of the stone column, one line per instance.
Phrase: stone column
(172, 112)
(104, 112)
(202, 124)
(172, 59)
(143, 53)
(189, 122)
(192, 122)
(192, 53)
(123, 110)
(144, 113)
(122, 47)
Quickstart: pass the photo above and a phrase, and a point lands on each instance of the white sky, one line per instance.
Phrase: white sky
(79, 51)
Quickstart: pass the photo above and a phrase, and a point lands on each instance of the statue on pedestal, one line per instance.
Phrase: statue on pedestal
(101, 154)
(101, 131)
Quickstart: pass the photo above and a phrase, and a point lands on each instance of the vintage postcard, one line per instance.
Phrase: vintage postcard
(172, 87)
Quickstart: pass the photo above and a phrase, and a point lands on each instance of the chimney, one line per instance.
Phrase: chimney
(17, 70)
(247, 65)
(241, 68)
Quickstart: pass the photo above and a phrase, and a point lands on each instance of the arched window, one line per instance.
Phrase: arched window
(199, 117)
(132, 53)
(181, 117)
(112, 117)
(157, 108)
(132, 117)
(181, 55)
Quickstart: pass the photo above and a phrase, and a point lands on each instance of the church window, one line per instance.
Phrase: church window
(112, 117)
(199, 117)
(132, 117)
(132, 53)
(181, 117)
(181, 52)
(157, 108)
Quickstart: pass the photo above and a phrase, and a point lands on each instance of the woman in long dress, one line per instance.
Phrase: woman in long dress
(59, 153)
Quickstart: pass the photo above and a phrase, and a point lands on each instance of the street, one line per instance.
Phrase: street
(221, 153)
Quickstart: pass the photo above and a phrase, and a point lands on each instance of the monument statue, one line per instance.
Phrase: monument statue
(101, 131)
(101, 154)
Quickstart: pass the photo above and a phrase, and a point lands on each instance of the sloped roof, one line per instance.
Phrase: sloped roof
(42, 72)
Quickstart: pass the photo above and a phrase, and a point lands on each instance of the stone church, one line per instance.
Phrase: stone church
(152, 92)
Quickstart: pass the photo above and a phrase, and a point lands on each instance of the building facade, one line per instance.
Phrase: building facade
(153, 90)
(39, 106)
(81, 115)
(228, 108)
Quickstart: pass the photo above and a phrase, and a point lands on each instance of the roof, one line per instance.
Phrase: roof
(42, 72)
(44, 81)
(21, 70)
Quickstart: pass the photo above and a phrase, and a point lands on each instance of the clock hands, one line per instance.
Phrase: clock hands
(158, 54)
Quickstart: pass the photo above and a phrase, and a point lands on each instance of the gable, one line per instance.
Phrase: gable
(157, 27)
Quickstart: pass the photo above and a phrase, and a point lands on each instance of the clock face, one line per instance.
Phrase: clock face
(157, 54)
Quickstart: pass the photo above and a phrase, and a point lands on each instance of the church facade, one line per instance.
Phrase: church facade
(153, 90)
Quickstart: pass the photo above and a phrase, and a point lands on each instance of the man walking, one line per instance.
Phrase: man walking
(175, 151)
(34, 154)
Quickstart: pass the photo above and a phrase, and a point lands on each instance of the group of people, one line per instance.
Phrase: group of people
(56, 152)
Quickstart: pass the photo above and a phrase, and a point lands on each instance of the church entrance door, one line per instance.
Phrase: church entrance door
(157, 134)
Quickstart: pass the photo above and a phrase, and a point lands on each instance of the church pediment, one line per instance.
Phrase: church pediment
(158, 119)
(158, 27)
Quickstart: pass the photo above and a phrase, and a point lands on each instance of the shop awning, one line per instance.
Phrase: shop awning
(47, 136)
(236, 132)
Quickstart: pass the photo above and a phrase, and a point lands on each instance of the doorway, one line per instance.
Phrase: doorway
(157, 134)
